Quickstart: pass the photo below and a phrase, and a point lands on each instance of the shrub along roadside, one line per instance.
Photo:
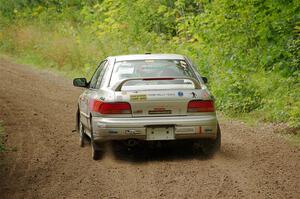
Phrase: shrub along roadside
(248, 49)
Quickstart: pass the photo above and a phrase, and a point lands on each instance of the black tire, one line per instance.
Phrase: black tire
(83, 139)
(96, 153)
(97, 148)
(209, 146)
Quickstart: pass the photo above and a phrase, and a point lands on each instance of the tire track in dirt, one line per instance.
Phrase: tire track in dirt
(38, 108)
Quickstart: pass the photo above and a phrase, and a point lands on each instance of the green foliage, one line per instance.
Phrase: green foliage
(237, 94)
(249, 49)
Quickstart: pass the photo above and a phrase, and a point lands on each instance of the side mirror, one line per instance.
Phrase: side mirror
(205, 80)
(80, 82)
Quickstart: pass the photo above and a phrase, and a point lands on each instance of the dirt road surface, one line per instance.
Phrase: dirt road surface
(45, 161)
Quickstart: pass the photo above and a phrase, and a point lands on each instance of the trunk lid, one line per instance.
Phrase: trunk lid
(159, 102)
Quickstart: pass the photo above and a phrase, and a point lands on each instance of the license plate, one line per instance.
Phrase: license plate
(160, 133)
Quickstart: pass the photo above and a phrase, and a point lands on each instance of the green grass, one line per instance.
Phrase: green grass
(34, 61)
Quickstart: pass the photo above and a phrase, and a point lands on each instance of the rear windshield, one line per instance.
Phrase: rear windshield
(151, 68)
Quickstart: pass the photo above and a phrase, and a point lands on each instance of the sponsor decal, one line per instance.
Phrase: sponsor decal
(113, 131)
(194, 95)
(138, 97)
(132, 131)
(205, 94)
(180, 94)
(207, 130)
(161, 94)
(138, 111)
(183, 64)
(159, 110)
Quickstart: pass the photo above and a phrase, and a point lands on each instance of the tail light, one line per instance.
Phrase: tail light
(111, 107)
(197, 106)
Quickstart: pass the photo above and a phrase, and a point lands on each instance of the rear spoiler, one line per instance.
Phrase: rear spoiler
(119, 85)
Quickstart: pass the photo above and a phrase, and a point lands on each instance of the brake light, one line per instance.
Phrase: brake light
(111, 107)
(115, 108)
(196, 106)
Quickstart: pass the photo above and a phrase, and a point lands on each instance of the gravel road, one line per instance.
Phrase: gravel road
(45, 161)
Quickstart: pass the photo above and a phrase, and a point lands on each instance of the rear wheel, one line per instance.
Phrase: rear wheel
(97, 148)
(95, 152)
(82, 136)
(212, 146)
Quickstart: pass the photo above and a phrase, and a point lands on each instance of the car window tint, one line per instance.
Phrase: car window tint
(150, 68)
(96, 75)
(100, 78)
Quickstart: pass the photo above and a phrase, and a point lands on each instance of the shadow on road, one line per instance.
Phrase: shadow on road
(147, 153)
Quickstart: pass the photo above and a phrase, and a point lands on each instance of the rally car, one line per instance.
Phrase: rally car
(146, 98)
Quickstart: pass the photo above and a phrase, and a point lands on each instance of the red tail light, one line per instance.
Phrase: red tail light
(111, 108)
(196, 106)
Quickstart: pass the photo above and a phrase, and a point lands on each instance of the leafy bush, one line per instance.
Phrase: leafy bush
(237, 94)
(249, 49)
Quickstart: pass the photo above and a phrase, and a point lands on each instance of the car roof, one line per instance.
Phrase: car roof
(148, 56)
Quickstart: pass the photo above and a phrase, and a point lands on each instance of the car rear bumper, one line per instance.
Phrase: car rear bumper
(185, 127)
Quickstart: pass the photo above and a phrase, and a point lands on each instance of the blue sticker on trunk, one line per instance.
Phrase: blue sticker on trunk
(180, 93)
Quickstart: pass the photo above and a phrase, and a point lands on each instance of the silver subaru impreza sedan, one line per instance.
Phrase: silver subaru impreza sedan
(146, 98)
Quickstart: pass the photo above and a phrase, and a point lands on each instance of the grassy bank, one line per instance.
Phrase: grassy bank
(250, 50)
